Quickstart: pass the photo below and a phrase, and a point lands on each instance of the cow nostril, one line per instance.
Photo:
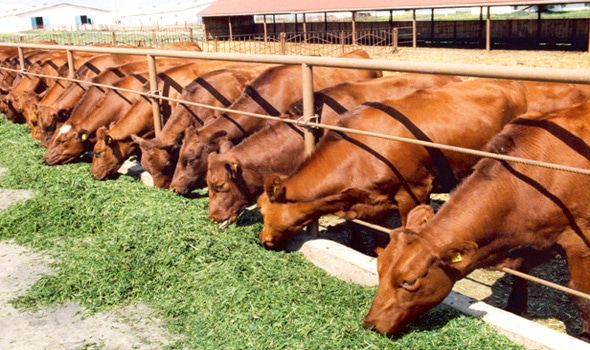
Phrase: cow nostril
(370, 326)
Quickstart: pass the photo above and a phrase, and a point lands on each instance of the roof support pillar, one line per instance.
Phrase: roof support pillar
(265, 30)
(304, 29)
(354, 28)
(488, 30)
(231, 35)
(414, 24)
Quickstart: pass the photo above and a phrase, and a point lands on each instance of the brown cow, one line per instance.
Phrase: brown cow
(505, 214)
(62, 96)
(33, 60)
(358, 176)
(235, 177)
(115, 146)
(32, 57)
(219, 89)
(78, 134)
(271, 93)
(50, 118)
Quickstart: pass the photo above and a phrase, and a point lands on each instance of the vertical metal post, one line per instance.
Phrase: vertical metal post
(71, 68)
(488, 31)
(154, 94)
(21, 59)
(308, 112)
(283, 43)
(231, 33)
(414, 25)
(395, 39)
(265, 30)
(114, 41)
(354, 29)
(304, 29)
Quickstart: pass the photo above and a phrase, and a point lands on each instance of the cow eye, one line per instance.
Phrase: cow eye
(411, 285)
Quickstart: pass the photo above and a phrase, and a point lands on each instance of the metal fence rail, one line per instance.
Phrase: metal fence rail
(307, 64)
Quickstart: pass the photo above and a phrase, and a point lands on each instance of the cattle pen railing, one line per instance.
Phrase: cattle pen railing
(307, 120)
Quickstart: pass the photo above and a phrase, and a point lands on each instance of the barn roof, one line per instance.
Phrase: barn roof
(18, 12)
(241, 7)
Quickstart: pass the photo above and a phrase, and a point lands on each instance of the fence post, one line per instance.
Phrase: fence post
(154, 94)
(342, 44)
(154, 38)
(21, 59)
(205, 35)
(190, 35)
(71, 68)
(395, 38)
(283, 40)
(216, 44)
(308, 112)
(114, 35)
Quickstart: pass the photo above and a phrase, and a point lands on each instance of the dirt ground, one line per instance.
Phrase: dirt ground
(65, 326)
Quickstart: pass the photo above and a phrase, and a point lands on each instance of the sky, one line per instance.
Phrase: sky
(120, 5)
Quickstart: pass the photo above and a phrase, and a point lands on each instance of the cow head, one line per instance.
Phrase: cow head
(414, 276)
(191, 169)
(228, 192)
(47, 122)
(158, 158)
(107, 155)
(284, 217)
(67, 145)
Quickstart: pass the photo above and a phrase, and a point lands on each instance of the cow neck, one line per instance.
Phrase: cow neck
(478, 211)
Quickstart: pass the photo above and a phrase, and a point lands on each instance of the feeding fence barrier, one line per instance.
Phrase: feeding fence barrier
(307, 121)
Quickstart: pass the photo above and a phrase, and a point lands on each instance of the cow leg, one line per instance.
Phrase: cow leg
(519, 296)
(579, 267)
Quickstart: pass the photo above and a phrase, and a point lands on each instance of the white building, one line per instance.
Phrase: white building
(171, 14)
(59, 16)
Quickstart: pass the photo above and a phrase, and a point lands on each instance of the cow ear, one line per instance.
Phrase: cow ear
(83, 135)
(225, 146)
(418, 216)
(189, 132)
(274, 188)
(233, 167)
(101, 132)
(458, 255)
(217, 140)
(141, 142)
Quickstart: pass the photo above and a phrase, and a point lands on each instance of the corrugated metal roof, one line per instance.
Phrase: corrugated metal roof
(244, 7)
